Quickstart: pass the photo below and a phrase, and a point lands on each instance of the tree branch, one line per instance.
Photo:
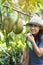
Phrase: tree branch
(18, 11)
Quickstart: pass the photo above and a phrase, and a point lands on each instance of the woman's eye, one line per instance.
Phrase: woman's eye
(33, 25)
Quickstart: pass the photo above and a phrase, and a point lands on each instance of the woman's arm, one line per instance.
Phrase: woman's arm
(37, 50)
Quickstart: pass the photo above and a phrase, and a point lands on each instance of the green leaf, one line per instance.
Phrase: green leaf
(29, 44)
(2, 1)
(41, 5)
(27, 18)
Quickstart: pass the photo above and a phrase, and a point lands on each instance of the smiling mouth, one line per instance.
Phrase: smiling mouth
(32, 32)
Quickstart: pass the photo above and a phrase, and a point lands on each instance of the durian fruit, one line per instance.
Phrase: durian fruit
(8, 21)
(18, 27)
(7, 24)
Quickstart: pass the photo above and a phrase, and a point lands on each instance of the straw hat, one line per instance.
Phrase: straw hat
(35, 20)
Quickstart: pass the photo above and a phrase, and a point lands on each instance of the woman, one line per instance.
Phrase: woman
(35, 36)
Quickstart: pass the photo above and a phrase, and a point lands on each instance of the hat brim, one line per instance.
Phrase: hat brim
(32, 23)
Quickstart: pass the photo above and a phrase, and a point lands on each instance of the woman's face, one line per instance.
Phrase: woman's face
(34, 29)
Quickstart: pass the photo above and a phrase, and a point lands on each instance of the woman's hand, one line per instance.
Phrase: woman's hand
(30, 37)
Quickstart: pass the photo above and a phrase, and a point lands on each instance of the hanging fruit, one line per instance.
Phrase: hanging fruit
(8, 21)
(7, 24)
(18, 27)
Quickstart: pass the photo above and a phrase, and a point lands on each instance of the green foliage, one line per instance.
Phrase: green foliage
(10, 54)
(30, 5)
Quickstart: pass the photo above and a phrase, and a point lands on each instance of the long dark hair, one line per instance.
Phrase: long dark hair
(38, 36)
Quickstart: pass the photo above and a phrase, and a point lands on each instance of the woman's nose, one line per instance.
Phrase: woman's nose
(32, 27)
